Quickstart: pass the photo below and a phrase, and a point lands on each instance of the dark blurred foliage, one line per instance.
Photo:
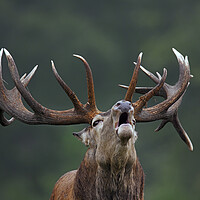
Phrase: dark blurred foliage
(110, 35)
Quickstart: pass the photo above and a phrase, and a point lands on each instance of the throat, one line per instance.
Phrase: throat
(114, 186)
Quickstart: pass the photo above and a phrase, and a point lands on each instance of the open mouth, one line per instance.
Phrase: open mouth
(123, 120)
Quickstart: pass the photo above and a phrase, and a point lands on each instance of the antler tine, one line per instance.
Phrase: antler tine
(37, 108)
(90, 83)
(14, 92)
(1, 78)
(168, 109)
(144, 90)
(77, 104)
(4, 121)
(183, 63)
(146, 97)
(177, 125)
(173, 96)
(140, 90)
(25, 79)
(11, 103)
(149, 74)
(133, 82)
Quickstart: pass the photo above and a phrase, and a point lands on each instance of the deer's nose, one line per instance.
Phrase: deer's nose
(124, 106)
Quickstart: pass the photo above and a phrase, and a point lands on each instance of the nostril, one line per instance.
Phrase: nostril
(118, 104)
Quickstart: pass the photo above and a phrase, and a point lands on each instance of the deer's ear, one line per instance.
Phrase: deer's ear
(84, 136)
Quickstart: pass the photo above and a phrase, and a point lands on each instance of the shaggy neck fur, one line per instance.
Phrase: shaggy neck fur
(116, 179)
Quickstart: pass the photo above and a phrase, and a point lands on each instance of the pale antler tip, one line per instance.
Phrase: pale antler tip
(1, 53)
(178, 55)
(191, 147)
(35, 68)
(164, 70)
(123, 86)
(140, 56)
(26, 79)
(159, 76)
(82, 59)
(52, 63)
(141, 53)
(53, 67)
(78, 56)
(187, 61)
(7, 52)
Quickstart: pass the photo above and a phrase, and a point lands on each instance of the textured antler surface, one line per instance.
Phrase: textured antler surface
(11, 103)
(167, 110)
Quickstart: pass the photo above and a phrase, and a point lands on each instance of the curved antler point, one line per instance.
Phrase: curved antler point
(34, 69)
(191, 147)
(78, 56)
(159, 76)
(6, 52)
(123, 86)
(164, 70)
(139, 57)
(54, 68)
(187, 61)
(52, 64)
(81, 58)
(1, 54)
(178, 55)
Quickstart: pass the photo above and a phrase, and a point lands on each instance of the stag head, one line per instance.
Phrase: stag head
(116, 125)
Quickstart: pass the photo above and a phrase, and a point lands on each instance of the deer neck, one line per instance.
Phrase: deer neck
(116, 180)
(115, 171)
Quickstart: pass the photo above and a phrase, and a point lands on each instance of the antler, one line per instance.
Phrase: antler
(11, 103)
(168, 109)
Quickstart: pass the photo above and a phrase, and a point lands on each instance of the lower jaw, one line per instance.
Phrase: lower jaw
(125, 133)
(124, 138)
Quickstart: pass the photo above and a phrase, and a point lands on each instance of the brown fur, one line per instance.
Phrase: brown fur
(90, 183)
(63, 188)
(110, 169)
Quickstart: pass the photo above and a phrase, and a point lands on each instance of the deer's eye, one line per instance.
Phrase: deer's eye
(95, 123)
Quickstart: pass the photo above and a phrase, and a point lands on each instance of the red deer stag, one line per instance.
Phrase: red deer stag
(110, 168)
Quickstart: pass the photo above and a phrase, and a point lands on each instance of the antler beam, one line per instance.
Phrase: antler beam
(11, 103)
(167, 110)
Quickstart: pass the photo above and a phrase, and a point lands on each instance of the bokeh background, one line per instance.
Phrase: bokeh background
(110, 35)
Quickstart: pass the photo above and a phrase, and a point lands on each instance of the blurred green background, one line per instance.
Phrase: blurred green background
(110, 35)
